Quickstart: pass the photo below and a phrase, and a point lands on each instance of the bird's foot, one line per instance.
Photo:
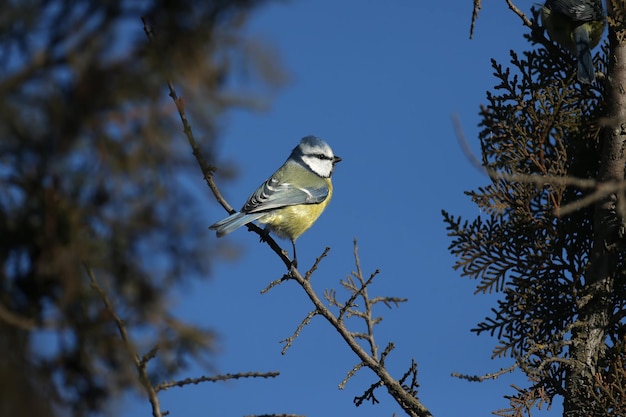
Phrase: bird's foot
(293, 268)
(264, 235)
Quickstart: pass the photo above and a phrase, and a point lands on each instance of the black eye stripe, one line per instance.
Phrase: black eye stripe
(319, 156)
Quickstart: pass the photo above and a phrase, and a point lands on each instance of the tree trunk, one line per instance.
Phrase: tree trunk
(595, 303)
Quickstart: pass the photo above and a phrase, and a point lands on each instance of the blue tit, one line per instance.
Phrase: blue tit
(577, 25)
(293, 198)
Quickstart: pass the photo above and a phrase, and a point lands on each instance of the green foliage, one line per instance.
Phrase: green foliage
(541, 145)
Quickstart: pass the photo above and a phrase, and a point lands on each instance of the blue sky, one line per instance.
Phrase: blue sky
(379, 81)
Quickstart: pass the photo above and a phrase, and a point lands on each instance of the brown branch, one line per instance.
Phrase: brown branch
(194, 381)
(207, 169)
(481, 378)
(350, 374)
(475, 10)
(411, 405)
(289, 341)
(478, 5)
(275, 415)
(308, 274)
(141, 364)
(521, 14)
(17, 320)
(368, 305)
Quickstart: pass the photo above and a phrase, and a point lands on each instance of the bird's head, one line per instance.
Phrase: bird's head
(316, 155)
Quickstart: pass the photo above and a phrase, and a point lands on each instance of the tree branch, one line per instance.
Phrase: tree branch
(209, 170)
(141, 364)
(411, 405)
(194, 381)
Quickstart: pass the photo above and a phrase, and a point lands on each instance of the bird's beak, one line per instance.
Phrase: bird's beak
(336, 159)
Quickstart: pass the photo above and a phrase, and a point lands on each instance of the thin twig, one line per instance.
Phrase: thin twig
(18, 320)
(275, 415)
(481, 378)
(289, 341)
(475, 10)
(140, 365)
(411, 405)
(218, 378)
(350, 374)
(478, 5)
(308, 274)
(276, 282)
(521, 14)
(207, 169)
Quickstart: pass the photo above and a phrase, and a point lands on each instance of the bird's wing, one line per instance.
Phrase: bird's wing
(275, 194)
(582, 11)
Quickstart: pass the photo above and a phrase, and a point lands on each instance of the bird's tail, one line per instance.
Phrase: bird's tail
(586, 72)
(234, 221)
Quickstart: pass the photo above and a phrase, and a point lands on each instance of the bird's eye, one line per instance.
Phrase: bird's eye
(320, 156)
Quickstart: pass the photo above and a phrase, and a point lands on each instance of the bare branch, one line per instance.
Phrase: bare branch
(208, 170)
(481, 378)
(289, 341)
(276, 282)
(404, 397)
(521, 14)
(194, 381)
(140, 364)
(17, 320)
(411, 372)
(475, 10)
(478, 5)
(275, 415)
(350, 374)
(368, 395)
(316, 264)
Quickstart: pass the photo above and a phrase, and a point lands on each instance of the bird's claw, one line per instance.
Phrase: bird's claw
(264, 235)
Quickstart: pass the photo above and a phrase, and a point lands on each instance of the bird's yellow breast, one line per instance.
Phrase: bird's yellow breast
(291, 221)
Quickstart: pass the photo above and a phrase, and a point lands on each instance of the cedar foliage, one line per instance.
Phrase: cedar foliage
(541, 139)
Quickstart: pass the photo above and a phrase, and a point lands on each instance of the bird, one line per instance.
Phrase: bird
(577, 25)
(293, 198)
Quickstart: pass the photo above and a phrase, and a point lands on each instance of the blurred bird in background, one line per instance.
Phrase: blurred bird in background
(293, 198)
(577, 25)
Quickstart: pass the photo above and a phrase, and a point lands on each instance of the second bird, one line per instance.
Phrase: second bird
(292, 199)
(577, 25)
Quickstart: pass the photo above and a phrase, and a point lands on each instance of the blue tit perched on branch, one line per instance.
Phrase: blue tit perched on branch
(293, 198)
(577, 25)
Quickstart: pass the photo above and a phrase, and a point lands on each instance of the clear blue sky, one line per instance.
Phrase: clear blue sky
(379, 81)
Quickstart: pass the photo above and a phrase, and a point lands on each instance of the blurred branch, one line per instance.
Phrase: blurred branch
(141, 364)
(20, 321)
(39, 60)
